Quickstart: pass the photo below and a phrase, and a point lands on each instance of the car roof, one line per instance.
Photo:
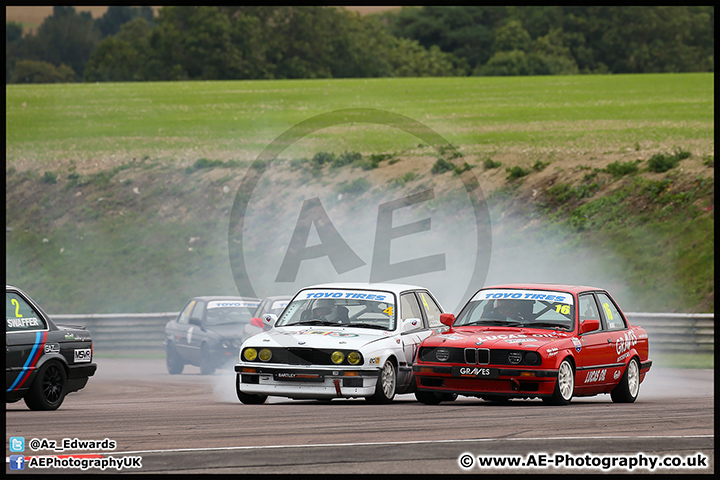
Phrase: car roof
(390, 287)
(546, 286)
(208, 298)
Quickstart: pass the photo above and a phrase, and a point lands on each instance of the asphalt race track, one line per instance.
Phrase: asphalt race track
(191, 423)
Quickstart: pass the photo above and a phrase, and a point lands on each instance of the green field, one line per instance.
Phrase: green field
(116, 194)
(47, 123)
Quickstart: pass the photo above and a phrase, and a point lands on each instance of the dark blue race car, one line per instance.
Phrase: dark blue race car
(208, 332)
(44, 361)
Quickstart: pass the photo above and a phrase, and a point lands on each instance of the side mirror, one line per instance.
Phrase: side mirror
(447, 319)
(589, 325)
(411, 324)
(198, 322)
(269, 320)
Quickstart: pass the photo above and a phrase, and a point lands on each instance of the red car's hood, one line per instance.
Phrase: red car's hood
(494, 337)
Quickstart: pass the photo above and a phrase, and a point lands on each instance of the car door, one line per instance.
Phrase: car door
(597, 362)
(431, 309)
(179, 330)
(195, 334)
(623, 339)
(410, 340)
(26, 332)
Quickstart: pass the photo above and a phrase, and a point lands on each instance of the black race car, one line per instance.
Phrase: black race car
(44, 361)
(208, 332)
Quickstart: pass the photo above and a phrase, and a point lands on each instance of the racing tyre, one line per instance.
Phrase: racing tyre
(629, 386)
(174, 363)
(206, 365)
(247, 398)
(386, 385)
(434, 398)
(565, 385)
(48, 390)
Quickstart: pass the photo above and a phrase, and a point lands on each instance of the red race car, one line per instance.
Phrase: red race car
(534, 341)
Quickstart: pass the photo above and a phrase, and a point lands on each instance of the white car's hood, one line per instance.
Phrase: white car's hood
(317, 337)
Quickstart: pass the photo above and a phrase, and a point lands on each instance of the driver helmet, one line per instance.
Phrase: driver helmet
(507, 305)
(323, 307)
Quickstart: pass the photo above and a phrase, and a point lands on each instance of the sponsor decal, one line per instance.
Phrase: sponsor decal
(475, 372)
(551, 351)
(374, 360)
(548, 296)
(302, 377)
(317, 332)
(232, 304)
(52, 348)
(522, 336)
(82, 355)
(374, 296)
(616, 375)
(595, 375)
(623, 356)
(626, 342)
(69, 336)
(23, 322)
(189, 334)
(578, 345)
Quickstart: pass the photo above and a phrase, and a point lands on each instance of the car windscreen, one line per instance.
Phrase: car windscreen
(521, 308)
(341, 307)
(222, 312)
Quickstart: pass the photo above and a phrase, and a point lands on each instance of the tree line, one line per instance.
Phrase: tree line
(253, 42)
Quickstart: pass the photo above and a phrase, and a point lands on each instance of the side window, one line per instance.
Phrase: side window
(432, 310)
(613, 318)
(185, 315)
(409, 307)
(197, 311)
(587, 308)
(21, 317)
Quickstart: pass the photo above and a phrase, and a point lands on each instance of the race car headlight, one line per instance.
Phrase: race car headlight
(442, 354)
(250, 354)
(337, 357)
(353, 358)
(515, 357)
(265, 355)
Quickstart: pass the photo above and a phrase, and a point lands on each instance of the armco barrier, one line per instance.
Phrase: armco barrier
(668, 332)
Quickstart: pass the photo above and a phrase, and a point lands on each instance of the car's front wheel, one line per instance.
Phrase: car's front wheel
(48, 390)
(565, 385)
(629, 386)
(247, 398)
(174, 363)
(207, 366)
(386, 384)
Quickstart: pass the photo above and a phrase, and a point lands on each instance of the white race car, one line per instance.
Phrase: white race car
(339, 340)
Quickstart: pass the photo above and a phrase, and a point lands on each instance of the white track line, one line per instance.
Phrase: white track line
(416, 442)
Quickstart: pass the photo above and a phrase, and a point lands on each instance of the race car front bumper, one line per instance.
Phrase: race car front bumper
(310, 382)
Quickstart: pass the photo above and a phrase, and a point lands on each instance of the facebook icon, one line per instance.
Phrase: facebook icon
(17, 462)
